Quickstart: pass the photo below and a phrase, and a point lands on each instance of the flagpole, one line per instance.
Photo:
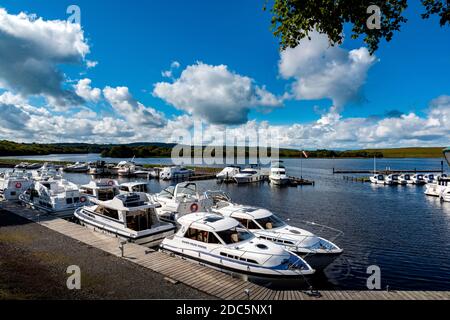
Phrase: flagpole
(301, 165)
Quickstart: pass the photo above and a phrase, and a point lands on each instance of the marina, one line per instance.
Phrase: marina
(347, 272)
(217, 284)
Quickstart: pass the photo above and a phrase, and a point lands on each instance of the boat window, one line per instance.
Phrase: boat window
(107, 212)
(270, 222)
(249, 224)
(234, 235)
(106, 194)
(76, 199)
(139, 220)
(168, 192)
(69, 200)
(123, 188)
(140, 188)
(87, 191)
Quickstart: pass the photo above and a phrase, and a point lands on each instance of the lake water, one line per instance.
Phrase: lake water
(397, 228)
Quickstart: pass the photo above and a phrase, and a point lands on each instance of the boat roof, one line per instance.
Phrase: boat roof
(133, 184)
(102, 183)
(246, 212)
(207, 221)
(127, 202)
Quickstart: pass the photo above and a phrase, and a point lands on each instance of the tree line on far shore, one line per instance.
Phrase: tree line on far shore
(154, 150)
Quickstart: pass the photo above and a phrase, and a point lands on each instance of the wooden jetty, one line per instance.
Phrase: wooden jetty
(202, 278)
(356, 179)
(294, 181)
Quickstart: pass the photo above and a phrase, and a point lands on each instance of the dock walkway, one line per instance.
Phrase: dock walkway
(200, 277)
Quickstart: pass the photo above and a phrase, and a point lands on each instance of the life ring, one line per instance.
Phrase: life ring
(83, 199)
(194, 207)
(110, 183)
(18, 185)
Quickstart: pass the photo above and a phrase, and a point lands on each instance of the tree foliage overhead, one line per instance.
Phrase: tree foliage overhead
(292, 20)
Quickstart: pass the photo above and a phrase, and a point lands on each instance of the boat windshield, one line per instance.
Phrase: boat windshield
(235, 235)
(168, 192)
(187, 189)
(270, 222)
(141, 219)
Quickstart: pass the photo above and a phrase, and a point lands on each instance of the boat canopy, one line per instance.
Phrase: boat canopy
(127, 202)
(207, 221)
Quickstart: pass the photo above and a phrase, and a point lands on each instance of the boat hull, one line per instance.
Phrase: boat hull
(201, 258)
(148, 240)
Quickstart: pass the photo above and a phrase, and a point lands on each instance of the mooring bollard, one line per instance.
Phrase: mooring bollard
(122, 248)
(247, 293)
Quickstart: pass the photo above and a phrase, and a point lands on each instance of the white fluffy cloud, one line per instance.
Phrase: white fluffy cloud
(321, 71)
(84, 90)
(215, 94)
(133, 111)
(31, 50)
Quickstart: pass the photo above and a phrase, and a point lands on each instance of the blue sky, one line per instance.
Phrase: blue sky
(134, 41)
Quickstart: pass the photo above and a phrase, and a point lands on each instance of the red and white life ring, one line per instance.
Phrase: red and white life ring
(110, 183)
(83, 199)
(18, 185)
(194, 207)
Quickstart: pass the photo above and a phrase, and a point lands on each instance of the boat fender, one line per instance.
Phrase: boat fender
(110, 183)
(83, 199)
(194, 207)
(18, 185)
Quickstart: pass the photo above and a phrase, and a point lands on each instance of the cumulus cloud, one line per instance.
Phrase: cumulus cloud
(31, 50)
(91, 64)
(169, 73)
(84, 90)
(323, 71)
(215, 94)
(132, 110)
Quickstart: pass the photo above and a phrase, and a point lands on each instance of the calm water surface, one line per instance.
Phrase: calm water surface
(397, 228)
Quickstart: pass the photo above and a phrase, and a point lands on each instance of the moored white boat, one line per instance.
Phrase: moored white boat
(129, 187)
(128, 216)
(418, 179)
(175, 173)
(405, 178)
(429, 177)
(54, 196)
(392, 179)
(317, 251)
(179, 200)
(77, 167)
(223, 244)
(101, 189)
(14, 183)
(228, 173)
(278, 175)
(377, 179)
(249, 175)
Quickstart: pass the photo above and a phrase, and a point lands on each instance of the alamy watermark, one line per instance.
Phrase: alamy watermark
(374, 280)
(75, 14)
(74, 280)
(374, 20)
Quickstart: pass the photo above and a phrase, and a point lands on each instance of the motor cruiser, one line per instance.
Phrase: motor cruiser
(228, 173)
(439, 188)
(77, 167)
(101, 189)
(179, 200)
(129, 187)
(127, 169)
(99, 168)
(429, 178)
(377, 179)
(14, 183)
(128, 216)
(54, 196)
(418, 179)
(249, 175)
(278, 175)
(405, 179)
(175, 173)
(392, 179)
(223, 244)
(317, 251)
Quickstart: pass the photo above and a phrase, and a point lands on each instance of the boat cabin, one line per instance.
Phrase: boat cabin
(134, 187)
